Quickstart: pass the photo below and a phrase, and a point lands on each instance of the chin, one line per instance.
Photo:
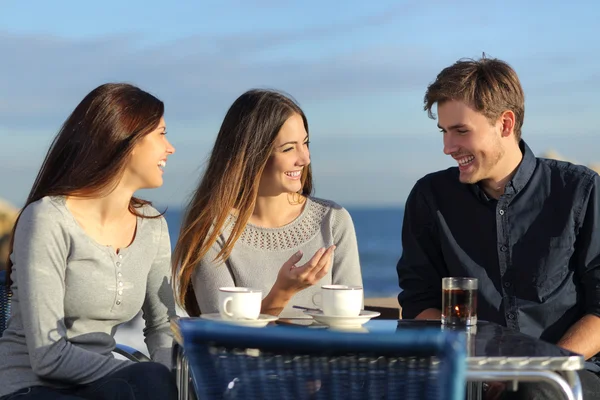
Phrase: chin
(295, 188)
(468, 178)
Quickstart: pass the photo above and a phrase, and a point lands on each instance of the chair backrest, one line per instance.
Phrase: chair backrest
(282, 362)
(4, 302)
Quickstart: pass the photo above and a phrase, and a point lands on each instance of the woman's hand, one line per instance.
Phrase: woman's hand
(291, 279)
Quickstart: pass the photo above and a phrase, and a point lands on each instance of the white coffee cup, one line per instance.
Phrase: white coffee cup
(239, 303)
(340, 300)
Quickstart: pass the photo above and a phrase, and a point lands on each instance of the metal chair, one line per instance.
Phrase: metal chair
(234, 362)
(5, 298)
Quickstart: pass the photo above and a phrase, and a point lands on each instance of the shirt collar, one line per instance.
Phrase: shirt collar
(524, 170)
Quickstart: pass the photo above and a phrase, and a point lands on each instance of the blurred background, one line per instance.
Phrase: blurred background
(359, 70)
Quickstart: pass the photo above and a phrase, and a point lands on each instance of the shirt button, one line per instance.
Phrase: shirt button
(119, 274)
(120, 283)
(506, 284)
(118, 302)
(121, 256)
(511, 316)
(501, 212)
(118, 264)
(503, 248)
(120, 292)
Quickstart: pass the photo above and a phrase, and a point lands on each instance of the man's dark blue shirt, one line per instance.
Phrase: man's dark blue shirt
(535, 250)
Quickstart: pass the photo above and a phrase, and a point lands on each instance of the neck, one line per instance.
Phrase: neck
(503, 173)
(276, 211)
(105, 209)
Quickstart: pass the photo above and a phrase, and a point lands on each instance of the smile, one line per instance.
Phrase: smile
(465, 160)
(294, 174)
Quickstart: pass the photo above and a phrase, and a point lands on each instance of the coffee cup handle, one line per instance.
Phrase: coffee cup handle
(226, 302)
(315, 301)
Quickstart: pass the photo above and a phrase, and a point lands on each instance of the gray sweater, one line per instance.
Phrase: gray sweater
(259, 254)
(70, 294)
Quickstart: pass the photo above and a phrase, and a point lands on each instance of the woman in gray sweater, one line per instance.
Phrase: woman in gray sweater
(253, 222)
(87, 256)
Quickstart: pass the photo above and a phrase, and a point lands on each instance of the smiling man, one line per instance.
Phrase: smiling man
(527, 228)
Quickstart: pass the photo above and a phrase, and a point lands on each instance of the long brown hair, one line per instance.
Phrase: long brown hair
(488, 85)
(91, 150)
(231, 182)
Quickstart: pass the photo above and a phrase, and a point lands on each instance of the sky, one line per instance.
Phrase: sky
(359, 69)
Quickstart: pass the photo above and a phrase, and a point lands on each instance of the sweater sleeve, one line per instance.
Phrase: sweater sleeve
(209, 276)
(39, 260)
(159, 303)
(346, 263)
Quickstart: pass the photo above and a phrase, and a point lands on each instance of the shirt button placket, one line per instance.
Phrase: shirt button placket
(119, 282)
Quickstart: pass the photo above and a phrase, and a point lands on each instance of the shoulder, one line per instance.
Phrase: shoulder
(436, 185)
(47, 210)
(436, 179)
(338, 214)
(155, 218)
(567, 172)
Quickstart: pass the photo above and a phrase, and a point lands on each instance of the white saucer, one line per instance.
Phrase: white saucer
(339, 322)
(263, 320)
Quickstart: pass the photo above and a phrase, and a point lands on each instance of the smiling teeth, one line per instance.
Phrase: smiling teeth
(293, 174)
(465, 160)
(162, 164)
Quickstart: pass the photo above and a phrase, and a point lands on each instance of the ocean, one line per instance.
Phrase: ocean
(378, 232)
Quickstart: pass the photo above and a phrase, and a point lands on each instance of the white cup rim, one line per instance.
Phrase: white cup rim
(341, 287)
(234, 289)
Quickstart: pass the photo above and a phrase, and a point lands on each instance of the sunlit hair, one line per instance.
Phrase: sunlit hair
(230, 182)
(90, 152)
(488, 85)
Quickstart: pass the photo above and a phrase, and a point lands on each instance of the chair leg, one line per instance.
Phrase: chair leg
(182, 373)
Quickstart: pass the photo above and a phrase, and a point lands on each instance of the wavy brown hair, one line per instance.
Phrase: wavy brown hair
(231, 182)
(90, 152)
(489, 85)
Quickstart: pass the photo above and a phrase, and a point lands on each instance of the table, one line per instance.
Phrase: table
(494, 353)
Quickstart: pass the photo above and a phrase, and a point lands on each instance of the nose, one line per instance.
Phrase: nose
(304, 156)
(450, 145)
(170, 148)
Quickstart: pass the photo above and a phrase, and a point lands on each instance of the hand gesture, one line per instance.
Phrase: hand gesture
(292, 278)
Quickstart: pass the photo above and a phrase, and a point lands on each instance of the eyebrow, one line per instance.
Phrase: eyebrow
(455, 126)
(292, 142)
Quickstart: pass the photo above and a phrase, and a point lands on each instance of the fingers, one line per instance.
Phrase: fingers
(318, 265)
(324, 264)
(291, 262)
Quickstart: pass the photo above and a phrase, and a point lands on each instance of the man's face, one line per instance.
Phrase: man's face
(471, 140)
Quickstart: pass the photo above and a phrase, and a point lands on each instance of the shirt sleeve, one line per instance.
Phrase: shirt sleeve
(588, 247)
(421, 266)
(346, 262)
(159, 303)
(209, 276)
(39, 260)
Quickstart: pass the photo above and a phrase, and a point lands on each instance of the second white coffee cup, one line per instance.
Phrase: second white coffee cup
(340, 300)
(239, 303)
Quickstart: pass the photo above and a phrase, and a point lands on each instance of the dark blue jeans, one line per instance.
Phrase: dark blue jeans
(139, 381)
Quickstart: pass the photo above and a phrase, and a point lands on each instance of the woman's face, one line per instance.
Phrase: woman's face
(289, 156)
(148, 159)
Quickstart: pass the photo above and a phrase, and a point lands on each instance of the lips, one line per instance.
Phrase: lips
(294, 174)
